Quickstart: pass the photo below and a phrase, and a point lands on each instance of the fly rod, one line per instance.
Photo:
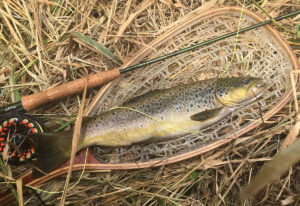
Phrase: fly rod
(35, 100)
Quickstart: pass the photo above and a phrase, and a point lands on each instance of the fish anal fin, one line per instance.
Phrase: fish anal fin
(207, 115)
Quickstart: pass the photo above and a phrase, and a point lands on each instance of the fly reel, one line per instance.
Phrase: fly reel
(14, 128)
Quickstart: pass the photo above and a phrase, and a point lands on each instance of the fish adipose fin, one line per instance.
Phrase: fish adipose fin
(52, 149)
(207, 115)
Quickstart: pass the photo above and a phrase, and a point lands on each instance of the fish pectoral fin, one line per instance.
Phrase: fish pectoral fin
(207, 115)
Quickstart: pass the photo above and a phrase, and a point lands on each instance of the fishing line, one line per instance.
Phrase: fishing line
(38, 196)
(76, 183)
(57, 192)
(259, 108)
(160, 122)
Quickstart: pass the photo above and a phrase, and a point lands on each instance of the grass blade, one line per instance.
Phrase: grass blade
(99, 47)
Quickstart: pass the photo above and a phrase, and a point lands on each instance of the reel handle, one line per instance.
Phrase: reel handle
(33, 101)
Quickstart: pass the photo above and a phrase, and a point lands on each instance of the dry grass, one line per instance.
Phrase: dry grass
(36, 56)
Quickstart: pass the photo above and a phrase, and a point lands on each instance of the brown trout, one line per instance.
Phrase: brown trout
(155, 116)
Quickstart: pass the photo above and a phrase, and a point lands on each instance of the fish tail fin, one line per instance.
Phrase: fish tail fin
(52, 149)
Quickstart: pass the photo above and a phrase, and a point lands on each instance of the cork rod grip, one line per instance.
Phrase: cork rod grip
(32, 101)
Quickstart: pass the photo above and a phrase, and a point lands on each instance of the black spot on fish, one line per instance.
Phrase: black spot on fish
(220, 92)
(191, 105)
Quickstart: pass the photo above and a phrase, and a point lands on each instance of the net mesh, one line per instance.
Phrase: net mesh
(257, 53)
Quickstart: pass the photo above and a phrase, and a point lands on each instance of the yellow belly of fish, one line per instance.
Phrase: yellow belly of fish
(155, 130)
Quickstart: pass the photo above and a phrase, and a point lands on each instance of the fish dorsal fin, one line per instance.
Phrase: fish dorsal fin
(207, 115)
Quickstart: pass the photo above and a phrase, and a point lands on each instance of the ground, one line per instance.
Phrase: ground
(38, 53)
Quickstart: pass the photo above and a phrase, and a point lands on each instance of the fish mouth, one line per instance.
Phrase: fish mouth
(253, 93)
(258, 89)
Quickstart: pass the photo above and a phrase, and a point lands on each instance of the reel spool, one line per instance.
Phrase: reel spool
(14, 128)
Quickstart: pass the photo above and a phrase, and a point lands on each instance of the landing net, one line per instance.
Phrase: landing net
(257, 53)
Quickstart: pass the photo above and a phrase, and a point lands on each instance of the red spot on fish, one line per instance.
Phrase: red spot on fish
(3, 133)
(1, 139)
(0, 149)
(2, 144)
